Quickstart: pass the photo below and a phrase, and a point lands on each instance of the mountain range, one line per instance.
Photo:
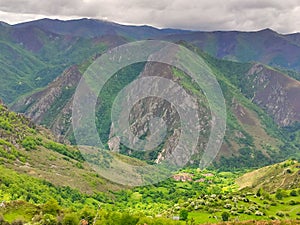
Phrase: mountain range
(44, 178)
(44, 60)
(262, 101)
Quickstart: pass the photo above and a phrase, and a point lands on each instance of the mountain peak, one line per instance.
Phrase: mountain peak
(4, 24)
(267, 30)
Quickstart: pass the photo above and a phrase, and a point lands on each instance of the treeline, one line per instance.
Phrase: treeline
(51, 214)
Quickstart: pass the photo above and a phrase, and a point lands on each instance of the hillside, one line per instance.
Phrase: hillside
(250, 129)
(32, 57)
(35, 53)
(198, 196)
(284, 175)
(32, 150)
(43, 84)
(264, 46)
(45, 179)
(41, 180)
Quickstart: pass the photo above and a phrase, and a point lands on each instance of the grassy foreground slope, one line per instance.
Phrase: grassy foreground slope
(195, 196)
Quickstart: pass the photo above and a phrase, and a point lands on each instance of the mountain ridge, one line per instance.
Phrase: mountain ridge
(60, 47)
(240, 138)
(144, 25)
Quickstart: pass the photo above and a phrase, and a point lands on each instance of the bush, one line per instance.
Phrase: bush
(29, 143)
(280, 214)
(70, 219)
(293, 193)
(292, 202)
(87, 214)
(280, 194)
(51, 207)
(259, 213)
(5, 124)
(48, 219)
(63, 149)
(225, 216)
(228, 206)
(183, 214)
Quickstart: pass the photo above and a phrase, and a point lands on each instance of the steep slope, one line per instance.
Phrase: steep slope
(252, 139)
(32, 150)
(16, 69)
(272, 90)
(31, 57)
(265, 46)
(36, 52)
(275, 92)
(250, 131)
(52, 105)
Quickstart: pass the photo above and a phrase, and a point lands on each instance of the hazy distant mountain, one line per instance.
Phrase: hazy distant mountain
(265, 46)
(93, 28)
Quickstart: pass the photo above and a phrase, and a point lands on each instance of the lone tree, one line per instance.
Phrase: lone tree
(225, 216)
(183, 215)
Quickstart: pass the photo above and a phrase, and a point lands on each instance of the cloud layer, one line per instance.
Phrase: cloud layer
(282, 16)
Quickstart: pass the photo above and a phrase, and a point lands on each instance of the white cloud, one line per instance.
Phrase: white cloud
(282, 16)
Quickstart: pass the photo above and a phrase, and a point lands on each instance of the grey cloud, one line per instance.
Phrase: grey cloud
(279, 15)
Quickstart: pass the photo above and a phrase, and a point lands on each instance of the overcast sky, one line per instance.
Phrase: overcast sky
(280, 15)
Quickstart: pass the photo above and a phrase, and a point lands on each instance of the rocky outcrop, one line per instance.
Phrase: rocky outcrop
(53, 105)
(275, 92)
(149, 108)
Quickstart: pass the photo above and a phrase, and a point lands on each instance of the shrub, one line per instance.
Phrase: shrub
(183, 214)
(272, 218)
(63, 149)
(259, 213)
(5, 124)
(292, 202)
(70, 219)
(225, 216)
(29, 143)
(279, 194)
(228, 206)
(48, 219)
(248, 212)
(273, 204)
(234, 213)
(293, 193)
(87, 214)
(51, 207)
(280, 214)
